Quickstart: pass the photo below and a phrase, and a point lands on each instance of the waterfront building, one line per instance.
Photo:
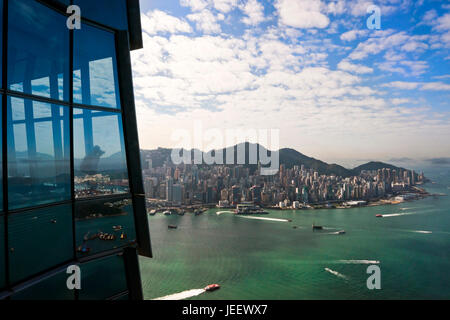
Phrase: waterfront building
(67, 101)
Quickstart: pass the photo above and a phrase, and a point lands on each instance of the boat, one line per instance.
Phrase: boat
(341, 232)
(171, 226)
(212, 287)
(152, 212)
(317, 227)
(379, 216)
(123, 236)
(83, 249)
(167, 213)
(289, 220)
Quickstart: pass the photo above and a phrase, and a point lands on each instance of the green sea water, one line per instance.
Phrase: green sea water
(265, 259)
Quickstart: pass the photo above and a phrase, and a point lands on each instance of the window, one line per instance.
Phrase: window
(94, 10)
(38, 50)
(53, 288)
(103, 278)
(99, 152)
(1, 156)
(38, 240)
(2, 252)
(103, 225)
(38, 153)
(95, 68)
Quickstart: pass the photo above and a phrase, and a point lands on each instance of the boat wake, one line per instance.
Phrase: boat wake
(422, 231)
(266, 219)
(182, 295)
(337, 274)
(220, 212)
(358, 261)
(398, 214)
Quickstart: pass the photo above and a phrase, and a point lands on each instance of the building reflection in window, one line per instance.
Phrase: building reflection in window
(99, 154)
(38, 153)
(103, 225)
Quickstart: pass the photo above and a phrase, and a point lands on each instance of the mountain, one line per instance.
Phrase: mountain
(288, 157)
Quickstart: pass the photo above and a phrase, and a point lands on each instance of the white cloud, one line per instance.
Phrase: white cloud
(225, 6)
(229, 81)
(354, 68)
(431, 86)
(206, 21)
(253, 11)
(195, 5)
(157, 21)
(436, 86)
(353, 35)
(302, 13)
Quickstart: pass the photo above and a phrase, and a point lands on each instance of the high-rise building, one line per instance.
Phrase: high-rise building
(67, 100)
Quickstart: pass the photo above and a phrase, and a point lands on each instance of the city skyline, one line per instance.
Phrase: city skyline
(335, 89)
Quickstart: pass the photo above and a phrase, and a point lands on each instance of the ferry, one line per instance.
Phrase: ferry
(167, 213)
(379, 216)
(212, 287)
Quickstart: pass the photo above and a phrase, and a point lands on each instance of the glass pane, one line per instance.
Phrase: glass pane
(38, 153)
(38, 240)
(38, 50)
(1, 43)
(2, 252)
(95, 68)
(53, 288)
(1, 156)
(103, 225)
(103, 278)
(99, 152)
(116, 16)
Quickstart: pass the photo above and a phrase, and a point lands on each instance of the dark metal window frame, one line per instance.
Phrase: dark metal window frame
(123, 43)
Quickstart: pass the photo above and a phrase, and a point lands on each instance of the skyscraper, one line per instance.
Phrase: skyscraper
(67, 102)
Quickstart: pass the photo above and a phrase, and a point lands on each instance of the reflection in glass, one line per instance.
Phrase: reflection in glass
(103, 278)
(103, 225)
(49, 289)
(38, 153)
(2, 252)
(99, 152)
(38, 240)
(1, 43)
(95, 10)
(95, 68)
(40, 64)
(1, 157)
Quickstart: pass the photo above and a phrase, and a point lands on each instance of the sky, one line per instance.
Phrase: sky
(333, 87)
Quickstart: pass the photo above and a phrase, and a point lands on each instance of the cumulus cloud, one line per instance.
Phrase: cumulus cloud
(353, 35)
(253, 11)
(354, 68)
(229, 80)
(157, 21)
(302, 13)
(206, 21)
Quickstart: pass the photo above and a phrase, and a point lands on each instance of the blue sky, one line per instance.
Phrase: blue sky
(312, 69)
